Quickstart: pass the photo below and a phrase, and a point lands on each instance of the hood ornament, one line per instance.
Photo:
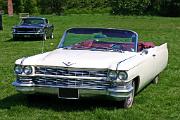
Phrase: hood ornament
(68, 64)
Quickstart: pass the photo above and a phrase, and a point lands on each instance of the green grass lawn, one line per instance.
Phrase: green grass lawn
(155, 102)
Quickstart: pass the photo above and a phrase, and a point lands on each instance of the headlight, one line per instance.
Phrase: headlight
(18, 69)
(112, 75)
(40, 30)
(122, 75)
(14, 30)
(27, 70)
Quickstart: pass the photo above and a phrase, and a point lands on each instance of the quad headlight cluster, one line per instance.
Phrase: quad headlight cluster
(114, 75)
(18, 69)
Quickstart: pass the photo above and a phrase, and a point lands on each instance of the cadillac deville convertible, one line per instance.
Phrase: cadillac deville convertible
(33, 27)
(98, 61)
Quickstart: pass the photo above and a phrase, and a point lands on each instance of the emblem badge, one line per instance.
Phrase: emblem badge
(68, 63)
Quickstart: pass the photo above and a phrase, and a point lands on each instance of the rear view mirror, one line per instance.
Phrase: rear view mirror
(100, 36)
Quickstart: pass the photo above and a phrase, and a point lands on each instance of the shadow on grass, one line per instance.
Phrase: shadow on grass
(56, 104)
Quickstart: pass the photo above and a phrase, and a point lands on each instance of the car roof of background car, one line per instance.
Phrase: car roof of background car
(34, 18)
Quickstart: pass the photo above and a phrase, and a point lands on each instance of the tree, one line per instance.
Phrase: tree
(18, 6)
(30, 6)
(57, 6)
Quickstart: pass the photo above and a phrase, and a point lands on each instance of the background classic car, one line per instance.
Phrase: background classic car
(93, 60)
(33, 27)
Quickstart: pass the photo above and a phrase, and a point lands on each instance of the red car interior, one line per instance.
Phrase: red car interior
(124, 46)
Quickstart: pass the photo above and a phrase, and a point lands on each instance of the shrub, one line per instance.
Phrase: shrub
(129, 7)
(170, 8)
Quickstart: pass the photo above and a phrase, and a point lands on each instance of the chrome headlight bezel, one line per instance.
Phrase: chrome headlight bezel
(18, 69)
(112, 75)
(115, 75)
(27, 70)
(122, 75)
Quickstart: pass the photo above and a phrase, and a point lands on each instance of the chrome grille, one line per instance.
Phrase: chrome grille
(69, 72)
(26, 29)
(69, 82)
(64, 82)
(70, 78)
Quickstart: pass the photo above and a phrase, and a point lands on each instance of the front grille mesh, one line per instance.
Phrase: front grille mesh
(26, 29)
(64, 82)
(70, 82)
(69, 72)
(64, 77)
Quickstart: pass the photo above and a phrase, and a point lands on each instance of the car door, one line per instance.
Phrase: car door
(161, 57)
(148, 67)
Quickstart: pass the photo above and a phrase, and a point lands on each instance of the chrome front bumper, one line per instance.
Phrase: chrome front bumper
(28, 35)
(117, 93)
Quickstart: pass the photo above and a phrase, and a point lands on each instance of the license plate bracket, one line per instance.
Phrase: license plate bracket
(68, 93)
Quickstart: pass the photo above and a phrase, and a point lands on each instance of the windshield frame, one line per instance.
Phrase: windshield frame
(131, 34)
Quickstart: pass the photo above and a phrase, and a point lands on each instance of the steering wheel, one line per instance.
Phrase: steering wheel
(118, 47)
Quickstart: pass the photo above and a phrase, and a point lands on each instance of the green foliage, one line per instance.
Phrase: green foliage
(117, 7)
(90, 4)
(144, 7)
(3, 5)
(30, 6)
(18, 6)
(87, 6)
(170, 8)
(126, 7)
(51, 6)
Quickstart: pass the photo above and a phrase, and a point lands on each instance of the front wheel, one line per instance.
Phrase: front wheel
(52, 36)
(44, 37)
(14, 37)
(128, 102)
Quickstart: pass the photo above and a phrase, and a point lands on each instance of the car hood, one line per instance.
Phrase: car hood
(30, 26)
(77, 59)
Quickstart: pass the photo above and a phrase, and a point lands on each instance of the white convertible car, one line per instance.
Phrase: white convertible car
(93, 61)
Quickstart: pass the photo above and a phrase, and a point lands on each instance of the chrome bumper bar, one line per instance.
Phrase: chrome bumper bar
(117, 93)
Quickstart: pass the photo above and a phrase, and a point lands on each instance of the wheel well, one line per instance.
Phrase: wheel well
(136, 80)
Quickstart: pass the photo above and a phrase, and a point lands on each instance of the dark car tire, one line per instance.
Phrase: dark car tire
(128, 102)
(14, 38)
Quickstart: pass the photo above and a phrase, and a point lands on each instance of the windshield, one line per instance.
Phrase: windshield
(32, 21)
(99, 39)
